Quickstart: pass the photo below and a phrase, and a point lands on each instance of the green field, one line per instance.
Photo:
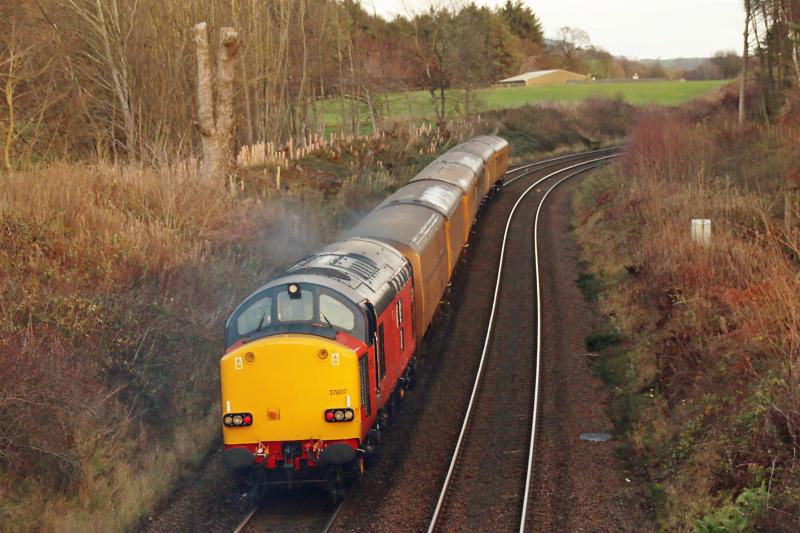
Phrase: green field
(417, 105)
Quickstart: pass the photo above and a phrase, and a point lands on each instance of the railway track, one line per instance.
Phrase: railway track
(525, 170)
(498, 433)
(298, 510)
(308, 509)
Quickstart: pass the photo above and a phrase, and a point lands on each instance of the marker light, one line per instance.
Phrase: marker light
(237, 419)
(294, 290)
(339, 415)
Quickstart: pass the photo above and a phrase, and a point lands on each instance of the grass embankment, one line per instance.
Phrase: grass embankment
(417, 105)
(703, 346)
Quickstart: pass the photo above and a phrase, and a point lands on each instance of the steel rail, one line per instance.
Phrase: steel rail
(244, 522)
(529, 473)
(526, 169)
(333, 518)
(589, 165)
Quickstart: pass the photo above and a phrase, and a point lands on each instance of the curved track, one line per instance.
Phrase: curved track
(490, 445)
(308, 509)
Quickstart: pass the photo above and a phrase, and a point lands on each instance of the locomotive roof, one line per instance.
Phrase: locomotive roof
(361, 269)
(440, 196)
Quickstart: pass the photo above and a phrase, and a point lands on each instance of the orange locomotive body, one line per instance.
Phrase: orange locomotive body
(318, 358)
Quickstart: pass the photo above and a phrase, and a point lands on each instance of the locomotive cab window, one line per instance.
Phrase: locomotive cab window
(277, 309)
(255, 317)
(295, 309)
(335, 313)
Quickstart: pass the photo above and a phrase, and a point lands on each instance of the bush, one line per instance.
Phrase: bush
(597, 342)
(738, 516)
(590, 285)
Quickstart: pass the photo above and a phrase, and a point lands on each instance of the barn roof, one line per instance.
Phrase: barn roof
(534, 74)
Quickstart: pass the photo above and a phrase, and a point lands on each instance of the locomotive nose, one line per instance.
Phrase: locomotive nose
(284, 389)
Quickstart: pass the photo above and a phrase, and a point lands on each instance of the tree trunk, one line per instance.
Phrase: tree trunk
(789, 202)
(10, 125)
(215, 118)
(761, 46)
(745, 58)
(245, 85)
(442, 101)
(371, 109)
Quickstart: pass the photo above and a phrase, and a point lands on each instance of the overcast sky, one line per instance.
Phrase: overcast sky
(640, 29)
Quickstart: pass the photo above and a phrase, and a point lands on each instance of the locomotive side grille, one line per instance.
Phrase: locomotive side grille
(363, 370)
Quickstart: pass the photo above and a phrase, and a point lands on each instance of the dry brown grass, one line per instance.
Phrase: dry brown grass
(113, 288)
(713, 333)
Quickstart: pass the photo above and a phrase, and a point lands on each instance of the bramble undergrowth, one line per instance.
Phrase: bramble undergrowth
(708, 372)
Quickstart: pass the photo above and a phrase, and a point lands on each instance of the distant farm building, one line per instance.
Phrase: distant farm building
(542, 77)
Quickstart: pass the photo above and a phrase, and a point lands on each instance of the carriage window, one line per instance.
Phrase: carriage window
(295, 309)
(336, 313)
(255, 317)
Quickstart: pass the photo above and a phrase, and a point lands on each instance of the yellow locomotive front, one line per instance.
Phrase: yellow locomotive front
(290, 389)
(291, 382)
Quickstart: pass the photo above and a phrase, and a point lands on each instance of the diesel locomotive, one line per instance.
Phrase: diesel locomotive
(317, 358)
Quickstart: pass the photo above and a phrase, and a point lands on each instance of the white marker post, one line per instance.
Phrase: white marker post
(701, 231)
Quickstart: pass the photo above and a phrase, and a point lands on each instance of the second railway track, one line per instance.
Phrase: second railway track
(488, 480)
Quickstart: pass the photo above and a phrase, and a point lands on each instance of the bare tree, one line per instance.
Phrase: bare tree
(432, 34)
(569, 42)
(745, 58)
(107, 30)
(215, 117)
(27, 94)
(12, 79)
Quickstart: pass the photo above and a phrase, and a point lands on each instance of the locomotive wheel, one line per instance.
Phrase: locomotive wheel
(257, 486)
(375, 434)
(359, 467)
(411, 375)
(335, 485)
